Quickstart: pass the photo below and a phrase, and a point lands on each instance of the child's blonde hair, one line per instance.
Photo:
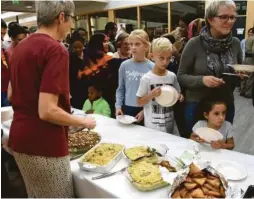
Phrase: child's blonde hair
(161, 45)
(142, 35)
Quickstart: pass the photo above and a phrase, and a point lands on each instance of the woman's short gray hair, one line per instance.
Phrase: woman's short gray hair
(47, 11)
(213, 7)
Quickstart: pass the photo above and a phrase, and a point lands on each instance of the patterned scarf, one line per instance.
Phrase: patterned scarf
(219, 53)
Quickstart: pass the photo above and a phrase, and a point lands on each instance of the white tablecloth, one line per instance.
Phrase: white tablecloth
(119, 186)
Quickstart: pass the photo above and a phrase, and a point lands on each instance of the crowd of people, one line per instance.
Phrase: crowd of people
(115, 73)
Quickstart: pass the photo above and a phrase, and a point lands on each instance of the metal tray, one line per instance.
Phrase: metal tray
(97, 168)
(144, 187)
(158, 147)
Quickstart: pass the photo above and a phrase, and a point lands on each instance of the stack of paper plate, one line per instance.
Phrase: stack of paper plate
(168, 97)
(243, 68)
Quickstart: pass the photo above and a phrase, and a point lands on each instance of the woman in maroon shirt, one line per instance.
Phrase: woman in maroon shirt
(41, 104)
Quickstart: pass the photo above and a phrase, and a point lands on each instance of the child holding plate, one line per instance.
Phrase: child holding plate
(214, 113)
(157, 116)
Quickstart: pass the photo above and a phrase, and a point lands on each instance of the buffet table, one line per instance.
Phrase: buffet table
(118, 185)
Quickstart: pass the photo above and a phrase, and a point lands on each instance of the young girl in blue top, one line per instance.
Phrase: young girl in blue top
(130, 73)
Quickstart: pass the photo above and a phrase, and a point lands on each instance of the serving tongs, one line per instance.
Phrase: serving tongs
(105, 175)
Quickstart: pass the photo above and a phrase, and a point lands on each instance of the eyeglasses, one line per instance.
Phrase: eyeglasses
(72, 17)
(225, 18)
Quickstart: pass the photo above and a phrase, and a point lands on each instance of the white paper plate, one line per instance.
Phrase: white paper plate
(245, 68)
(232, 170)
(208, 134)
(168, 97)
(126, 119)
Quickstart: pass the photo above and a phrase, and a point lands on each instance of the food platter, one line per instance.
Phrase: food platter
(199, 183)
(82, 141)
(145, 175)
(135, 152)
(101, 158)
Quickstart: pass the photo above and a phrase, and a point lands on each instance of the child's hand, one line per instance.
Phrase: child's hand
(217, 144)
(140, 116)
(196, 138)
(156, 92)
(90, 111)
(119, 111)
(181, 97)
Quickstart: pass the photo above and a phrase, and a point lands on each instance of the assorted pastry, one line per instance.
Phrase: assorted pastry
(200, 184)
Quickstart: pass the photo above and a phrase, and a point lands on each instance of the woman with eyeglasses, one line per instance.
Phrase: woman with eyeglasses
(206, 57)
(41, 104)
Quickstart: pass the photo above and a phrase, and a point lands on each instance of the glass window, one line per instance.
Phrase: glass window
(181, 7)
(98, 22)
(127, 19)
(241, 7)
(154, 19)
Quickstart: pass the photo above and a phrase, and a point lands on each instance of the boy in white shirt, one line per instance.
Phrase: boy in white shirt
(156, 116)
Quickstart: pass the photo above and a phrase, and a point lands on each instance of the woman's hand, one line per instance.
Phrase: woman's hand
(89, 122)
(140, 116)
(119, 111)
(212, 82)
(181, 97)
(196, 138)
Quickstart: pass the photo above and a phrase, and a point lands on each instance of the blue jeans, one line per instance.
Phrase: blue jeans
(191, 113)
(131, 110)
(4, 99)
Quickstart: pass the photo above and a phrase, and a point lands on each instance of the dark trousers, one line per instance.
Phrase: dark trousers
(180, 119)
(4, 99)
(133, 111)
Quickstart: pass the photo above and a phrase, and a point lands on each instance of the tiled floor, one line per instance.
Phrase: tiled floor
(244, 125)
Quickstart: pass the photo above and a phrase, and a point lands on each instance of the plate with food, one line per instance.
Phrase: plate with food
(199, 183)
(168, 96)
(101, 158)
(126, 119)
(232, 170)
(137, 152)
(146, 175)
(82, 141)
(208, 134)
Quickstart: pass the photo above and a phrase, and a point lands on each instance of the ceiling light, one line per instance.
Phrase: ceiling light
(28, 19)
(11, 14)
(29, 7)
